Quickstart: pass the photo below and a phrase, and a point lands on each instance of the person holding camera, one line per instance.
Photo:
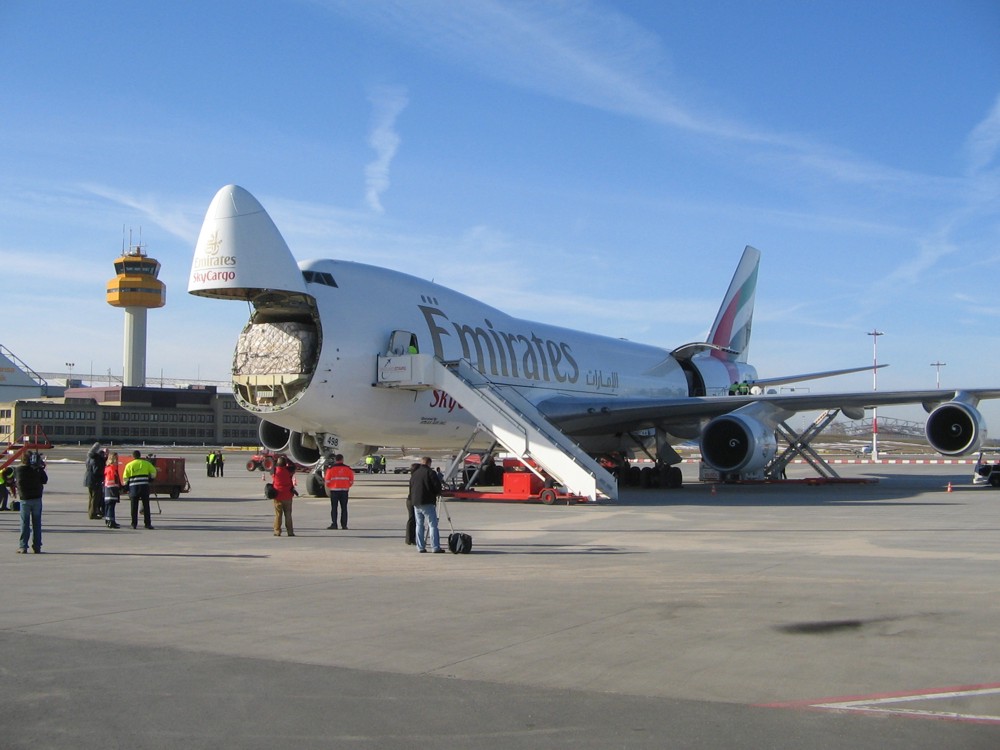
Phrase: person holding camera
(283, 481)
(31, 479)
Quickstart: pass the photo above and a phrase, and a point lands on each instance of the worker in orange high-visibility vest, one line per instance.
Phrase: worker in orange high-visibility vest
(338, 479)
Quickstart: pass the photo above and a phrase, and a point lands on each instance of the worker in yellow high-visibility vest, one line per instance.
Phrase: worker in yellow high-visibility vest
(138, 475)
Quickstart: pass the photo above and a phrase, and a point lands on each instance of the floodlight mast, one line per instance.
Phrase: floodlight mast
(937, 378)
(875, 333)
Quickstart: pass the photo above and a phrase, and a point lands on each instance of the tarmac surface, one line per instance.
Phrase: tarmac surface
(792, 616)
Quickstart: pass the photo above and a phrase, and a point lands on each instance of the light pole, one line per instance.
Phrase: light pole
(875, 333)
(69, 380)
(937, 379)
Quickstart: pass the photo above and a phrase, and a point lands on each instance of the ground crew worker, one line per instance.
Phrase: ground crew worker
(369, 462)
(210, 464)
(112, 491)
(381, 467)
(138, 475)
(4, 490)
(338, 479)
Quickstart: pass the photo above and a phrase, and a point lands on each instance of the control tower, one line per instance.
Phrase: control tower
(137, 289)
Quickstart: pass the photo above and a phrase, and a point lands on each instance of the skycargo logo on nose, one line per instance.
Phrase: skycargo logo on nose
(504, 354)
(201, 277)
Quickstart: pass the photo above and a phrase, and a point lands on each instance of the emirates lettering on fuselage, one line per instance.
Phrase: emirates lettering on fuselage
(503, 354)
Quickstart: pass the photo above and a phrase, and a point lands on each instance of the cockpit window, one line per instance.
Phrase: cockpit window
(319, 277)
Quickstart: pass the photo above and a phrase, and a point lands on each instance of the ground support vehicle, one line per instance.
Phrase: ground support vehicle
(521, 487)
(261, 462)
(987, 470)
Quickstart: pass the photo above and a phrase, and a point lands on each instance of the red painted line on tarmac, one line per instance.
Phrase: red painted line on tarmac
(893, 704)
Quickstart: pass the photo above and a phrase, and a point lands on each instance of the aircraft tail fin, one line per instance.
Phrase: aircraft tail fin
(731, 330)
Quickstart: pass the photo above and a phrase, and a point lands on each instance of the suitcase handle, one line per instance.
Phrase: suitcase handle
(446, 513)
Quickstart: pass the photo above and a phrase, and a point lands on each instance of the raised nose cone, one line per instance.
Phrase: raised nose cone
(240, 251)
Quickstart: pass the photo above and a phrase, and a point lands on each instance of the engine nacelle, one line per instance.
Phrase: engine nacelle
(272, 436)
(738, 444)
(303, 449)
(955, 429)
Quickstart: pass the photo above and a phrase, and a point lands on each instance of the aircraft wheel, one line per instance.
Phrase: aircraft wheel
(314, 485)
(646, 477)
(673, 479)
(634, 476)
(547, 496)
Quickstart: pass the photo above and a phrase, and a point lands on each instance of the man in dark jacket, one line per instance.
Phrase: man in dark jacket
(31, 479)
(93, 480)
(425, 486)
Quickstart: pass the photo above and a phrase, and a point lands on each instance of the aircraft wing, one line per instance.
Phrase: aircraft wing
(591, 415)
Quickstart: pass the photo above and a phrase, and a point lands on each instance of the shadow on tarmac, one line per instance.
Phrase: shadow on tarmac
(156, 554)
(889, 490)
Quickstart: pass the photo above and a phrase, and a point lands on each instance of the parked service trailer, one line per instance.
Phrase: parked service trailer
(171, 476)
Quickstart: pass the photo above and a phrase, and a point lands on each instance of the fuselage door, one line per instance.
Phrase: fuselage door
(402, 342)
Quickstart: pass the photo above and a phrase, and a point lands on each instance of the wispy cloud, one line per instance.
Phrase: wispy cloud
(598, 57)
(172, 219)
(580, 52)
(387, 103)
(983, 144)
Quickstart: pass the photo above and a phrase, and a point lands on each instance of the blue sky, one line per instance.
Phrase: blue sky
(596, 165)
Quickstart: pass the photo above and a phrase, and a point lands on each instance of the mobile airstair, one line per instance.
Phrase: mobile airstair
(33, 439)
(506, 415)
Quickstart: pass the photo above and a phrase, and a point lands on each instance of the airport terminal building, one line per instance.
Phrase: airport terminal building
(198, 415)
(117, 413)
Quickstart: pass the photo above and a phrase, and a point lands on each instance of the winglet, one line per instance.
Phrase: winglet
(731, 330)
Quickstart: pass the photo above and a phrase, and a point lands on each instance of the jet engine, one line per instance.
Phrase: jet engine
(738, 444)
(955, 429)
(272, 436)
(303, 449)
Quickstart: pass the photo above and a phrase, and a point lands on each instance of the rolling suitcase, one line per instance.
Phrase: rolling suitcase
(458, 543)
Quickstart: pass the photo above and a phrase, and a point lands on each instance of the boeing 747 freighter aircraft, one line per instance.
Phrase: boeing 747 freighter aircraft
(344, 357)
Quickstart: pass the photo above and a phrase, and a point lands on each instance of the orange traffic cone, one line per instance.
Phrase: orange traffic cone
(949, 487)
(713, 489)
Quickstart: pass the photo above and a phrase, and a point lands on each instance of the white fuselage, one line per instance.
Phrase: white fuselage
(358, 316)
(306, 363)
